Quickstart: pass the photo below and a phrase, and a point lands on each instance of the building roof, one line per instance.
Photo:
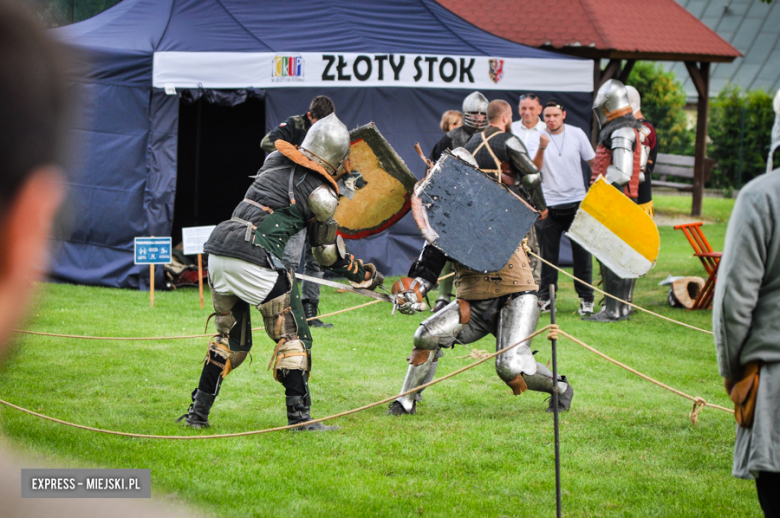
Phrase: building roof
(753, 28)
(627, 29)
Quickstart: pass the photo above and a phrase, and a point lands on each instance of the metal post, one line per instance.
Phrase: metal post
(556, 424)
(741, 146)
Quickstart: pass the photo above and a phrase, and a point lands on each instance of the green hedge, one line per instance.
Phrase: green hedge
(726, 120)
(663, 100)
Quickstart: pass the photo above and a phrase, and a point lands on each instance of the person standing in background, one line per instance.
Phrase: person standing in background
(650, 141)
(564, 189)
(293, 130)
(530, 129)
(450, 120)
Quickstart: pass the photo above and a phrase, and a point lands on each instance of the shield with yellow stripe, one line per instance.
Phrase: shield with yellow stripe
(616, 231)
(386, 198)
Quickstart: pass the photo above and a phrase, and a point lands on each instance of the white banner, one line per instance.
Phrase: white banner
(311, 69)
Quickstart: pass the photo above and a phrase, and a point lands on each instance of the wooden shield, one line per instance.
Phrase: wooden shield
(616, 231)
(470, 217)
(386, 198)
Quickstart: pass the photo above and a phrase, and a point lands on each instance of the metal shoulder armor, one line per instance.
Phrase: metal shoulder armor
(323, 202)
(623, 141)
(532, 177)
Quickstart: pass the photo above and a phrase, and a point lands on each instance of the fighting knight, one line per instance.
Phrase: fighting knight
(621, 159)
(296, 188)
(502, 303)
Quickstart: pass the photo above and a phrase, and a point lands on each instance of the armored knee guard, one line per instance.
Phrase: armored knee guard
(517, 320)
(281, 325)
(231, 317)
(442, 328)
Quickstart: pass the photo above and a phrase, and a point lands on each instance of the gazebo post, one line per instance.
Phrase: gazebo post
(701, 78)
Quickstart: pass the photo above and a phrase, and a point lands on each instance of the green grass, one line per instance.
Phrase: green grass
(473, 449)
(716, 210)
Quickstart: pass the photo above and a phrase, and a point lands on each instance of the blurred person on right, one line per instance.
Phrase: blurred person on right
(564, 189)
(746, 325)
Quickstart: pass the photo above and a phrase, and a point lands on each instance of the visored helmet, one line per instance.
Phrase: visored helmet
(611, 102)
(475, 111)
(327, 143)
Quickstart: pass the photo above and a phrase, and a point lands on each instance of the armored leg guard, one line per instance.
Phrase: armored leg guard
(421, 363)
(198, 414)
(613, 310)
(542, 381)
(517, 320)
(298, 402)
(310, 309)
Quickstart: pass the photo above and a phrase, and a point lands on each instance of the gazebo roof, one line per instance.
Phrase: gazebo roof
(614, 29)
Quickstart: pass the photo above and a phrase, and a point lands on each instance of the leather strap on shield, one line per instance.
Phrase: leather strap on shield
(744, 392)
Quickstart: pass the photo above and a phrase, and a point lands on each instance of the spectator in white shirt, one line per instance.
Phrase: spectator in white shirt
(564, 189)
(531, 130)
(530, 127)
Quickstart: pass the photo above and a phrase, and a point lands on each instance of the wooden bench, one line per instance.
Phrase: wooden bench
(679, 166)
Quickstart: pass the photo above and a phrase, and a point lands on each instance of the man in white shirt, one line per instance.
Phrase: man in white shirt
(564, 189)
(531, 131)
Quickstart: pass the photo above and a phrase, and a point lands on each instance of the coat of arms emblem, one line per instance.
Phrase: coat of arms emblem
(496, 71)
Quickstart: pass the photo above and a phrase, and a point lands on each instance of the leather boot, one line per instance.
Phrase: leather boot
(198, 413)
(310, 309)
(298, 412)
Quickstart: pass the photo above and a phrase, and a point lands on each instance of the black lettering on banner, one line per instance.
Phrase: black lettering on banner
(397, 68)
(325, 75)
(380, 61)
(466, 70)
(358, 75)
(448, 78)
(340, 68)
(419, 73)
(431, 62)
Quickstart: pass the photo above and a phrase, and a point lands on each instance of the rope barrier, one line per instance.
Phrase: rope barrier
(698, 402)
(553, 333)
(621, 300)
(279, 428)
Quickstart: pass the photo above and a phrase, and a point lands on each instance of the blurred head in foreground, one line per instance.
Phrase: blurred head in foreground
(32, 111)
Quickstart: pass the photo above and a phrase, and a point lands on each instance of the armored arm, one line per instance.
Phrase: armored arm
(623, 142)
(426, 268)
(532, 177)
(329, 249)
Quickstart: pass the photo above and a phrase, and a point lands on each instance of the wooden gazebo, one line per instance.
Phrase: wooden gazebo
(621, 31)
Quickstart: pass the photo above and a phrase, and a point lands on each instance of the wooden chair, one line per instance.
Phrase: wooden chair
(709, 259)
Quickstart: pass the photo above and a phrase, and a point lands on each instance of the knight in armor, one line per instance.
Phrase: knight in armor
(475, 107)
(293, 130)
(620, 159)
(503, 303)
(295, 189)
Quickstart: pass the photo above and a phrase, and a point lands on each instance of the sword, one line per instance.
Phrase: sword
(368, 293)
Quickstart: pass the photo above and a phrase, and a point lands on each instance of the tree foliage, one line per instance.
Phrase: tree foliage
(726, 112)
(663, 100)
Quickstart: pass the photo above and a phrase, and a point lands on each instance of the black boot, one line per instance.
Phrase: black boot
(298, 412)
(198, 413)
(310, 310)
(564, 400)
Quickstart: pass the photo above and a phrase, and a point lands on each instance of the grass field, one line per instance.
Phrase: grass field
(473, 449)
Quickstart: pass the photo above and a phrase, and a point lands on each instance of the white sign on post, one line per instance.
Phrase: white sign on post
(194, 238)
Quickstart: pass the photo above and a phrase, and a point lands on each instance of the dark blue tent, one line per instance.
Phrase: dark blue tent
(400, 63)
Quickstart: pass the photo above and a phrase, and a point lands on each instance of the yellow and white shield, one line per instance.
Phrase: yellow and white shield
(616, 231)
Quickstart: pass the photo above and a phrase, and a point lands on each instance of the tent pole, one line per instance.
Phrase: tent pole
(195, 209)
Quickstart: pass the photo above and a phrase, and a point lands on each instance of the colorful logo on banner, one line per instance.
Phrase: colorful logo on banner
(496, 71)
(287, 69)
